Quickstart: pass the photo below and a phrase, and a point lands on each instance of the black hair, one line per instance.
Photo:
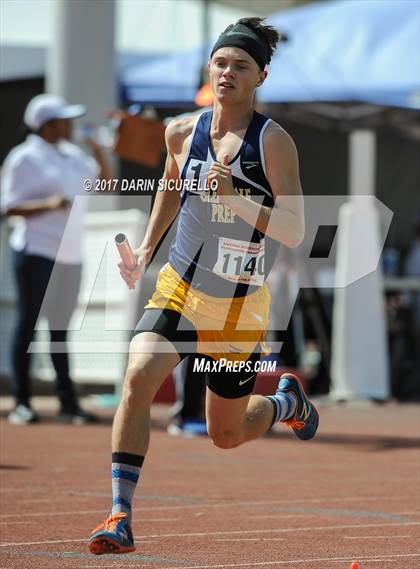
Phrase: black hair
(270, 34)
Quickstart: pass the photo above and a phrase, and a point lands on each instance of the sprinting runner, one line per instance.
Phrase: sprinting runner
(241, 200)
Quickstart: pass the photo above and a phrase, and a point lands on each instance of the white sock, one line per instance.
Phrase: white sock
(284, 406)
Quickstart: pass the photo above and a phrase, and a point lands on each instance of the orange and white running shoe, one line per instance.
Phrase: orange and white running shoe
(114, 535)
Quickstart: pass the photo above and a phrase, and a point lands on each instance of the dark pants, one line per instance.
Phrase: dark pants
(32, 274)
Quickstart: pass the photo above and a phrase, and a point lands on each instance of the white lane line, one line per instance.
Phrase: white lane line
(142, 521)
(294, 562)
(282, 530)
(301, 561)
(282, 516)
(230, 540)
(235, 532)
(373, 560)
(16, 543)
(381, 561)
(364, 558)
(101, 512)
(55, 491)
(39, 500)
(378, 536)
(217, 505)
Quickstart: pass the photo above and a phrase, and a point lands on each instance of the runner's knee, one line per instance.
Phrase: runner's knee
(224, 438)
(141, 383)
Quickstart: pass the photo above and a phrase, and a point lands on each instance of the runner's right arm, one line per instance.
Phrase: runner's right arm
(167, 203)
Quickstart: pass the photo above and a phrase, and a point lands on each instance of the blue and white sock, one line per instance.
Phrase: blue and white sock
(284, 406)
(125, 474)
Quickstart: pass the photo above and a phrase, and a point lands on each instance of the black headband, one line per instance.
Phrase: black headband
(248, 39)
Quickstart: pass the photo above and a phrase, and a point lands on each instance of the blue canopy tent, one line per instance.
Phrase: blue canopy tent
(364, 50)
(344, 50)
(169, 79)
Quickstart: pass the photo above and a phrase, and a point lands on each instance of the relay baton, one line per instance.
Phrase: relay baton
(125, 251)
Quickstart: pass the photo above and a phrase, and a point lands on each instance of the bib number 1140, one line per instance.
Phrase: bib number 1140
(252, 264)
(240, 261)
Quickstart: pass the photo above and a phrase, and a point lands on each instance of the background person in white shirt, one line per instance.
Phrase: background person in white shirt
(40, 179)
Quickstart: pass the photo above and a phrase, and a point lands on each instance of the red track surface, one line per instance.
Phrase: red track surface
(350, 495)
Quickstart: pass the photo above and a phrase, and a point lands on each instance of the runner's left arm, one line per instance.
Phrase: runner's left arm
(285, 221)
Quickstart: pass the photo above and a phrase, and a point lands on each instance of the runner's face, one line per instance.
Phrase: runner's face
(234, 74)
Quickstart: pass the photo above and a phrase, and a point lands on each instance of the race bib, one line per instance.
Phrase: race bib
(240, 261)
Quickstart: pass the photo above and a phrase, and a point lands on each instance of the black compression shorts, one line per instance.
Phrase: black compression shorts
(227, 384)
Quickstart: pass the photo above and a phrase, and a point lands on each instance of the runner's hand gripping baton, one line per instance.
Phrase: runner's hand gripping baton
(125, 251)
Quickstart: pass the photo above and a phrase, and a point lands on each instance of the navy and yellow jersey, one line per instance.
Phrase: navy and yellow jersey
(214, 250)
